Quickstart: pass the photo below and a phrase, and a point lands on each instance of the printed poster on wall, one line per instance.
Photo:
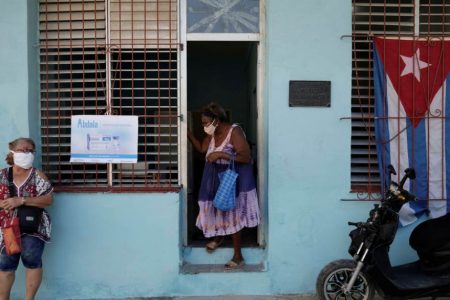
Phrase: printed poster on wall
(104, 139)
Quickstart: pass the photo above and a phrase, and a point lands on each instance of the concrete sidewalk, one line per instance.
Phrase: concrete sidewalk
(236, 297)
(239, 297)
(232, 297)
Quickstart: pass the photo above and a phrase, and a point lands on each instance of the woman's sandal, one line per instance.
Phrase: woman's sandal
(234, 264)
(213, 245)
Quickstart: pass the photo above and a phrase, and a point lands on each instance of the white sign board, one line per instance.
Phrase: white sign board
(104, 139)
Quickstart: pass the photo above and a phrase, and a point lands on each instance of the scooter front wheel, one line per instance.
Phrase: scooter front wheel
(333, 278)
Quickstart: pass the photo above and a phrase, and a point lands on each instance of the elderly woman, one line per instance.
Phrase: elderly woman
(31, 188)
(223, 142)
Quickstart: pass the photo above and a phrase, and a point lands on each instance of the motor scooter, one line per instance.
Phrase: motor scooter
(370, 270)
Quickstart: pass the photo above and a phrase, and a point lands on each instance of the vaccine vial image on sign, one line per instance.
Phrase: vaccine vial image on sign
(115, 144)
(99, 142)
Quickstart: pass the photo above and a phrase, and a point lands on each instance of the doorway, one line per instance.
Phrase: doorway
(226, 73)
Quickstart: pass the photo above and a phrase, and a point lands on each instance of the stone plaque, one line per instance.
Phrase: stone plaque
(309, 93)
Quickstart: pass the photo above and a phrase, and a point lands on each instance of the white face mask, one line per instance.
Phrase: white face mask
(23, 160)
(210, 128)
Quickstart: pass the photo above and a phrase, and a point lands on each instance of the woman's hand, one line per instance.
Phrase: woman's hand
(11, 203)
(213, 156)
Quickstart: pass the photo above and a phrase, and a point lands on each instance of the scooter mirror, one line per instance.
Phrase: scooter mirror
(391, 170)
(410, 173)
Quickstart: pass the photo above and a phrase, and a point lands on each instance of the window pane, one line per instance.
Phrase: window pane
(145, 85)
(136, 74)
(382, 18)
(143, 24)
(72, 82)
(227, 16)
(370, 17)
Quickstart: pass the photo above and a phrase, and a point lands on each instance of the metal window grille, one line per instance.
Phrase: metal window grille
(424, 18)
(110, 57)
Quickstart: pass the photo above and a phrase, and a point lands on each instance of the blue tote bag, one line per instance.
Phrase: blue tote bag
(225, 198)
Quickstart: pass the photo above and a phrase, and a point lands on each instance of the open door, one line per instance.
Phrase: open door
(226, 73)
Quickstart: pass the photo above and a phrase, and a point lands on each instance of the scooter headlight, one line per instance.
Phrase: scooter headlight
(393, 188)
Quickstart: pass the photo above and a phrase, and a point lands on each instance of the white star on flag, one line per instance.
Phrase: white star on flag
(413, 65)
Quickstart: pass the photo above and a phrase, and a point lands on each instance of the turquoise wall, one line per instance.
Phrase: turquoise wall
(309, 148)
(112, 246)
(14, 75)
(128, 245)
(33, 71)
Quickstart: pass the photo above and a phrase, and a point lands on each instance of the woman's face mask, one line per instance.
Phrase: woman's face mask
(210, 128)
(23, 160)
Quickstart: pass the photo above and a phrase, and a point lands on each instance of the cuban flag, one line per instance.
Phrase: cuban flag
(412, 107)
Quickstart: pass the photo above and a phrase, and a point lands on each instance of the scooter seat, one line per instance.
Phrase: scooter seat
(436, 261)
(442, 251)
(414, 276)
(432, 237)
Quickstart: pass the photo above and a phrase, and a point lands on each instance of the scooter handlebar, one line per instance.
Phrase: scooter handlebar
(408, 196)
(356, 224)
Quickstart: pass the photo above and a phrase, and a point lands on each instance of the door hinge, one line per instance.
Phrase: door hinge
(181, 47)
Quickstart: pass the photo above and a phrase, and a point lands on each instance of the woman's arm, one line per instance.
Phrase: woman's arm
(200, 147)
(240, 146)
(38, 201)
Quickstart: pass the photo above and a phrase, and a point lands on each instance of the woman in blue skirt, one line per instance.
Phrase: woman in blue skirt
(224, 141)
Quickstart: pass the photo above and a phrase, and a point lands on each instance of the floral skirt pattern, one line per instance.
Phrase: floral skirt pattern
(214, 222)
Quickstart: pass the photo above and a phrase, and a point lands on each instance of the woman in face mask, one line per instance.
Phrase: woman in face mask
(30, 187)
(222, 142)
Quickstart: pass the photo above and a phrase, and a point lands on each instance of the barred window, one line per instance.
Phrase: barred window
(114, 57)
(408, 18)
